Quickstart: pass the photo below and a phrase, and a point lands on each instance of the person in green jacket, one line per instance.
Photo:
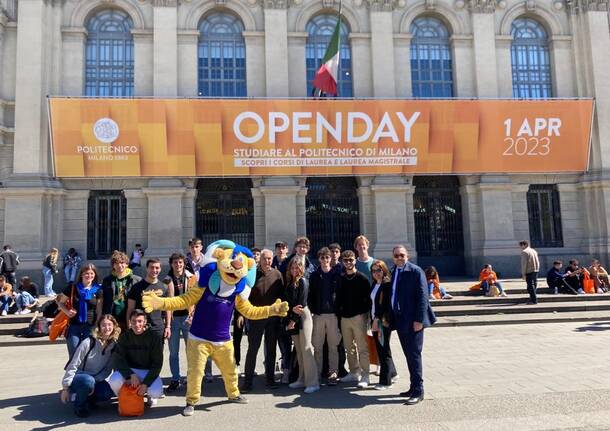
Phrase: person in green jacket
(138, 358)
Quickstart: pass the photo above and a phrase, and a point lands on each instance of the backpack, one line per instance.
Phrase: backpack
(49, 309)
(39, 327)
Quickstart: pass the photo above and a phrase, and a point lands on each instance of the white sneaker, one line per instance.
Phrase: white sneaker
(296, 385)
(4, 313)
(504, 294)
(447, 296)
(432, 297)
(25, 311)
(312, 389)
(581, 292)
(150, 402)
(382, 387)
(189, 410)
(350, 378)
(364, 382)
(599, 290)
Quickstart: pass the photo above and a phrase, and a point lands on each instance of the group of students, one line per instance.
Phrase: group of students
(578, 280)
(332, 308)
(19, 300)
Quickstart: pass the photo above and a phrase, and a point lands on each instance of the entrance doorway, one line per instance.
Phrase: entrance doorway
(225, 210)
(439, 236)
(332, 212)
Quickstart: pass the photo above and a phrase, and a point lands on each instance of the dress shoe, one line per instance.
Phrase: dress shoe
(406, 394)
(415, 399)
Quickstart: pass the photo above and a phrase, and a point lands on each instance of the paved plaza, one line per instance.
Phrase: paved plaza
(521, 377)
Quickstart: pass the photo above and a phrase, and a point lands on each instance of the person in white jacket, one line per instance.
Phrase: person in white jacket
(84, 382)
(530, 266)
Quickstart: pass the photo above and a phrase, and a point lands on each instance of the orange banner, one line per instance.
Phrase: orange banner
(214, 138)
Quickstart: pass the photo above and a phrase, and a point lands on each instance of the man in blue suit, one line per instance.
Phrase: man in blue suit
(411, 313)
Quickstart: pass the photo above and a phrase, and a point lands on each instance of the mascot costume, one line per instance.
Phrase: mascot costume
(225, 280)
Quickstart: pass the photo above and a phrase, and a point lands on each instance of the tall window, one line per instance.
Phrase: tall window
(109, 54)
(431, 63)
(531, 68)
(106, 223)
(221, 57)
(544, 216)
(319, 30)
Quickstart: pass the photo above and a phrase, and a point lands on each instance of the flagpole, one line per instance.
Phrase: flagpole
(339, 48)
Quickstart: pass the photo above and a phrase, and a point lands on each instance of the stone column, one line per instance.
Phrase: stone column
(165, 217)
(137, 218)
(402, 65)
(297, 76)
(3, 22)
(382, 53)
(74, 40)
(499, 245)
(463, 66)
(188, 78)
(362, 78)
(276, 48)
(280, 197)
(30, 152)
(562, 66)
(255, 63)
(391, 197)
(486, 75)
(366, 208)
(143, 67)
(165, 48)
(504, 65)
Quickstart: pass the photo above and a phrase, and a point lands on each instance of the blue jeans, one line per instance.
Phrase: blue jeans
(485, 287)
(84, 387)
(5, 303)
(76, 333)
(24, 299)
(431, 290)
(70, 273)
(48, 281)
(180, 329)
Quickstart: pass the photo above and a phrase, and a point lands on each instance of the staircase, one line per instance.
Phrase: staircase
(465, 309)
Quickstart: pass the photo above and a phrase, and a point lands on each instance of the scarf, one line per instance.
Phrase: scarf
(85, 295)
(120, 291)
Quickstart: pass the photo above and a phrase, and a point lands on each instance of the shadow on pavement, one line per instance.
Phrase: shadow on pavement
(343, 398)
(594, 327)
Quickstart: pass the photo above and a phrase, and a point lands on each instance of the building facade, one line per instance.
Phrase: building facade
(271, 48)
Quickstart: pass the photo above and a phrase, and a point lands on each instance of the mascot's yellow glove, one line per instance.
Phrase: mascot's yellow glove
(278, 308)
(151, 302)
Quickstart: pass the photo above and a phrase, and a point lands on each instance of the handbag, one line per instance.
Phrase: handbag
(60, 323)
(373, 357)
(130, 403)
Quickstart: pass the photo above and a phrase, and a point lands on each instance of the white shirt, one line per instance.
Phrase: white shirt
(373, 295)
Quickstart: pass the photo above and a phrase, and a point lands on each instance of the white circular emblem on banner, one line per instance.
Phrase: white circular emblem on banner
(106, 130)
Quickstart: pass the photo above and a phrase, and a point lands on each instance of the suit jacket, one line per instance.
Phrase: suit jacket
(411, 297)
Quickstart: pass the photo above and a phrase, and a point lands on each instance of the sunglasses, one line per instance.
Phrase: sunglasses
(400, 255)
(349, 260)
(377, 270)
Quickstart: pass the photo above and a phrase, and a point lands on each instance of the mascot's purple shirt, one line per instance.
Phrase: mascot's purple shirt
(212, 318)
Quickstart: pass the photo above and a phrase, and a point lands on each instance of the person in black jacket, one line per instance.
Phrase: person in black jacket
(321, 300)
(353, 304)
(381, 314)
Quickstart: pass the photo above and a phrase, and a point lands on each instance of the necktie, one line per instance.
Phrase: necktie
(395, 306)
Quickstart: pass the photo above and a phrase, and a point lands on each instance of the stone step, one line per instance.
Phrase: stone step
(597, 317)
(516, 298)
(11, 340)
(487, 309)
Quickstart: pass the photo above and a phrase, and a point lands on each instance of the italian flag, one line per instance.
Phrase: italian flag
(326, 76)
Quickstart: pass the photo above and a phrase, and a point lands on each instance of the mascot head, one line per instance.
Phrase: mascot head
(231, 263)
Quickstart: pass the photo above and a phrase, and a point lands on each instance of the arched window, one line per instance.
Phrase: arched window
(431, 63)
(319, 31)
(221, 57)
(109, 54)
(531, 66)
(332, 212)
